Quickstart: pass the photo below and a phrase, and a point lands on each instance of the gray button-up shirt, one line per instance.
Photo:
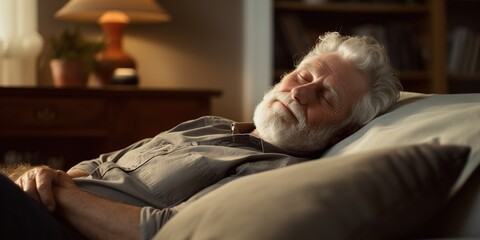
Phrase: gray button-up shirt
(166, 173)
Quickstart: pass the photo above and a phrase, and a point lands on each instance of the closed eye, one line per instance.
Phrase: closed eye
(330, 95)
(303, 77)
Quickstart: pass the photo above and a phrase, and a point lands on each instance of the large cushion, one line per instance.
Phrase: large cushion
(384, 194)
(461, 217)
(446, 119)
(419, 118)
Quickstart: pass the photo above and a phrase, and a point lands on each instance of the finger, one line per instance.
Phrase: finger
(28, 185)
(44, 180)
(19, 182)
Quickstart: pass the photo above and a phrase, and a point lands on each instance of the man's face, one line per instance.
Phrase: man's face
(298, 113)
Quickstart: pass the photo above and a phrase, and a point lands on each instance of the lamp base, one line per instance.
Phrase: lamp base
(125, 76)
(103, 73)
(113, 57)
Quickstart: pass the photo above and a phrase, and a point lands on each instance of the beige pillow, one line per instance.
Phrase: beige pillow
(385, 194)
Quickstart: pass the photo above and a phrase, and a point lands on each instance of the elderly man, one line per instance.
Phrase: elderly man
(341, 84)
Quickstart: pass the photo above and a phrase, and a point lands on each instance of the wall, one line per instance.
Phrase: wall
(258, 53)
(201, 48)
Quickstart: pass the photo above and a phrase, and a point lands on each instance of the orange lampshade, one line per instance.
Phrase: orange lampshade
(112, 15)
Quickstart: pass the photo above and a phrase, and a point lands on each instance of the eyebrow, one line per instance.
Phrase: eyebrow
(310, 67)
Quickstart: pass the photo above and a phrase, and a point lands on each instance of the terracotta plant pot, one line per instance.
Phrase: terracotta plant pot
(68, 73)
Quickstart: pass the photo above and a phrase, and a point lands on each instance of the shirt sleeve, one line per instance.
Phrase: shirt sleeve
(90, 165)
(152, 219)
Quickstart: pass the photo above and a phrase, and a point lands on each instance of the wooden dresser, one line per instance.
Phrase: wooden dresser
(61, 127)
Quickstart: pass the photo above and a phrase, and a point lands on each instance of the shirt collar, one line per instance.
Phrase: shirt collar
(242, 127)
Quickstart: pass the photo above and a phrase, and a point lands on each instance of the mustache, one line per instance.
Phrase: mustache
(297, 109)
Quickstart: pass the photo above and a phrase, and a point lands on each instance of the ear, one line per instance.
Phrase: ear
(344, 133)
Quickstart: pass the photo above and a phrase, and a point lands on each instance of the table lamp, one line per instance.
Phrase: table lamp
(112, 15)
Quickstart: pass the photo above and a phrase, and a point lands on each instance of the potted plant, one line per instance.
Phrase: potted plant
(72, 58)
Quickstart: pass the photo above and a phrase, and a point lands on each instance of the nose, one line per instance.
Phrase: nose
(304, 94)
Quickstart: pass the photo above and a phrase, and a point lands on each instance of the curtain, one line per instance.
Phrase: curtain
(20, 42)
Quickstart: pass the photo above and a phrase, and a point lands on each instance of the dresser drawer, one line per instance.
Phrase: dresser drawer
(62, 126)
(47, 113)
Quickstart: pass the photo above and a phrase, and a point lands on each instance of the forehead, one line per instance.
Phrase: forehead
(342, 70)
(330, 62)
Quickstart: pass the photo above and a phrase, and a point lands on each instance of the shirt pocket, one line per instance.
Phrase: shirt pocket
(175, 177)
(135, 158)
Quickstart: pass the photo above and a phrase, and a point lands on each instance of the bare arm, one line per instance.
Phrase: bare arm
(95, 217)
(15, 171)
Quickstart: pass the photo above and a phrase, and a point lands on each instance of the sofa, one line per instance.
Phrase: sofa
(411, 173)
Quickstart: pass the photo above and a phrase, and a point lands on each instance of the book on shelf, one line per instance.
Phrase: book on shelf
(401, 42)
(464, 52)
(295, 34)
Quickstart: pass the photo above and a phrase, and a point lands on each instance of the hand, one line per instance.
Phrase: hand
(38, 183)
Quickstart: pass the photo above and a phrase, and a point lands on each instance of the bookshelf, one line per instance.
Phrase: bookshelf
(463, 45)
(414, 33)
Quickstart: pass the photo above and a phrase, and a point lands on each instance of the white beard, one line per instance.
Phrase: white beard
(279, 128)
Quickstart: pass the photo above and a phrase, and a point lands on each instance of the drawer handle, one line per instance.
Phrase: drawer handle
(45, 114)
